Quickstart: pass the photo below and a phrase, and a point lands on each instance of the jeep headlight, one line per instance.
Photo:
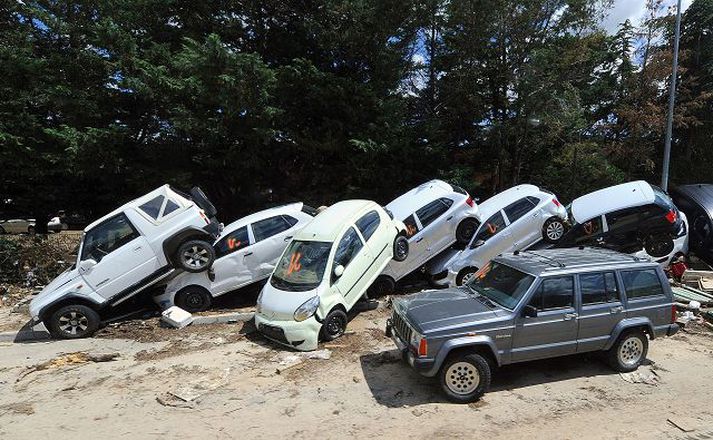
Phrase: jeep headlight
(307, 309)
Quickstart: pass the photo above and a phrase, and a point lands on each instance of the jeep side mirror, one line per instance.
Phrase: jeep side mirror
(86, 266)
(529, 311)
(477, 243)
(338, 271)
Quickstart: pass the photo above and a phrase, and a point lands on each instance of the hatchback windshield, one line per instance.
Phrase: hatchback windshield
(501, 284)
(302, 266)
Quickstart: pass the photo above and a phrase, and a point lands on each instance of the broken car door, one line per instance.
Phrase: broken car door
(230, 269)
(271, 237)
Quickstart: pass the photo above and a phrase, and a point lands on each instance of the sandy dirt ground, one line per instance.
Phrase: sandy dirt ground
(225, 381)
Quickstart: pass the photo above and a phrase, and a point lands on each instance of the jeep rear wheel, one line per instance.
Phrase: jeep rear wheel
(73, 322)
(195, 256)
(465, 378)
(629, 351)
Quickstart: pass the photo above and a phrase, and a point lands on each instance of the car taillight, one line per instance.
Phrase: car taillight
(204, 217)
(469, 201)
(423, 347)
(671, 216)
(556, 202)
(673, 313)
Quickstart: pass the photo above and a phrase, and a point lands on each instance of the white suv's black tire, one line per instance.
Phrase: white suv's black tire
(629, 351)
(400, 248)
(465, 378)
(195, 256)
(73, 322)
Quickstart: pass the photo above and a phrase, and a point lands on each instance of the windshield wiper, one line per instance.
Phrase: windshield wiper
(482, 298)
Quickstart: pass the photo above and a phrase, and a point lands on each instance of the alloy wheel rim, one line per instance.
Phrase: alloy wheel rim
(631, 351)
(467, 277)
(73, 322)
(334, 326)
(555, 230)
(462, 378)
(401, 249)
(195, 257)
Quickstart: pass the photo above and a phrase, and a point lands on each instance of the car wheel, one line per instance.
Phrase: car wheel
(553, 230)
(382, 286)
(30, 229)
(465, 275)
(334, 325)
(195, 256)
(466, 230)
(465, 378)
(73, 322)
(658, 247)
(629, 351)
(400, 248)
(193, 299)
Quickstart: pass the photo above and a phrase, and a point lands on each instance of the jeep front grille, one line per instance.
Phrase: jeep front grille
(402, 329)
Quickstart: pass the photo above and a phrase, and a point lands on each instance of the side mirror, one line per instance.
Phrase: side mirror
(338, 271)
(86, 266)
(477, 243)
(529, 311)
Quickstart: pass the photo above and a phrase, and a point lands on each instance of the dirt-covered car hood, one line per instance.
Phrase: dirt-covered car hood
(435, 310)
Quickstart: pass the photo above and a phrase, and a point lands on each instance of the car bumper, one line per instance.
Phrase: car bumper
(423, 366)
(302, 336)
(449, 279)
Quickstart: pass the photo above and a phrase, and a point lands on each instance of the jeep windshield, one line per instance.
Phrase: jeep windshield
(501, 284)
(302, 266)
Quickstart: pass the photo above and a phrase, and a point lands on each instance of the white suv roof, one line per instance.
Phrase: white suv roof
(407, 203)
(503, 199)
(610, 199)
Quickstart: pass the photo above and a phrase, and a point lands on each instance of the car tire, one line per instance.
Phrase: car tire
(2, 231)
(465, 378)
(30, 229)
(73, 322)
(400, 248)
(629, 351)
(195, 256)
(465, 275)
(382, 286)
(334, 325)
(465, 230)
(553, 230)
(193, 299)
(658, 247)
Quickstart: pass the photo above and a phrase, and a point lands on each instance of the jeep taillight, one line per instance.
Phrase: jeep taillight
(423, 347)
(556, 202)
(671, 216)
(469, 201)
(673, 313)
(203, 216)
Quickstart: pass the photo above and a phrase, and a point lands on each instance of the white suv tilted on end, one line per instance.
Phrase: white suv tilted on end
(125, 252)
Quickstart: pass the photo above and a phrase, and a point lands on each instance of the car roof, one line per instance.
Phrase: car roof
(611, 199)
(260, 215)
(569, 260)
(407, 203)
(327, 225)
(504, 198)
(701, 193)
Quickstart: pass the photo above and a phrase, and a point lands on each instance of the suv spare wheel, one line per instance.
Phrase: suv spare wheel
(195, 255)
(202, 201)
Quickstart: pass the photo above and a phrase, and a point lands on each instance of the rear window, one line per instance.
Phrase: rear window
(642, 283)
(598, 288)
(153, 207)
(662, 199)
(459, 190)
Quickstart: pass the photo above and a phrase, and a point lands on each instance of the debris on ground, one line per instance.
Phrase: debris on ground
(698, 279)
(685, 424)
(187, 395)
(291, 360)
(643, 375)
(63, 360)
(685, 294)
(176, 317)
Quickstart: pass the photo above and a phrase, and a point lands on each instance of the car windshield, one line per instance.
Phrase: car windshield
(302, 266)
(501, 284)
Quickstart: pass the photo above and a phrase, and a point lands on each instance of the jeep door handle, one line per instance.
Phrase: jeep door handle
(138, 248)
(617, 309)
(569, 316)
(420, 239)
(449, 218)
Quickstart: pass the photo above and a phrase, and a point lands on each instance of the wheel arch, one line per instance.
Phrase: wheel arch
(640, 323)
(482, 345)
(46, 312)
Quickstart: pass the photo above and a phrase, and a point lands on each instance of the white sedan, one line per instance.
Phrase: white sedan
(437, 215)
(246, 252)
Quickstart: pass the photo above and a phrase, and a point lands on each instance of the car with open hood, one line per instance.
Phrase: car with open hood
(123, 254)
(325, 270)
(696, 202)
(245, 253)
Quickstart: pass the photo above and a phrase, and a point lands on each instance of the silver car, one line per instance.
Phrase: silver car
(17, 226)
(514, 220)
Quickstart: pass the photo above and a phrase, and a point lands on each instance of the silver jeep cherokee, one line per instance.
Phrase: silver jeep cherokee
(534, 305)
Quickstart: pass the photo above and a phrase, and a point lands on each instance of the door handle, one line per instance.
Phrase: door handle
(420, 239)
(247, 254)
(569, 316)
(617, 309)
(288, 238)
(537, 214)
(449, 218)
(138, 248)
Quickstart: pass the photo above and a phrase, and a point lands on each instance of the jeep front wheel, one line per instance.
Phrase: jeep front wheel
(465, 378)
(195, 256)
(73, 322)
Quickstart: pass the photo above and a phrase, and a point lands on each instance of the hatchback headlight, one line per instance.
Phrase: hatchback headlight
(307, 309)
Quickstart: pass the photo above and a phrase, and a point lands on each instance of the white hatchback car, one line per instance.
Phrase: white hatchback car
(515, 219)
(325, 270)
(125, 252)
(246, 252)
(436, 216)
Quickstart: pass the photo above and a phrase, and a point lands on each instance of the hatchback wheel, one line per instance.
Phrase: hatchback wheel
(193, 299)
(195, 256)
(553, 230)
(629, 351)
(334, 325)
(465, 378)
(73, 322)
(466, 230)
(658, 247)
(382, 286)
(465, 276)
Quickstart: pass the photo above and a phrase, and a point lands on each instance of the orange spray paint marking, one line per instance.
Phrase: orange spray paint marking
(233, 243)
(295, 265)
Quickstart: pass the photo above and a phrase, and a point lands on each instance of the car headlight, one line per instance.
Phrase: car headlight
(307, 309)
(258, 304)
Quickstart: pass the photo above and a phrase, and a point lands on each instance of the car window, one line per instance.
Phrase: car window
(534, 200)
(587, 231)
(490, 228)
(348, 247)
(516, 210)
(368, 224)
(598, 288)
(153, 207)
(170, 207)
(236, 240)
(107, 237)
(554, 293)
(641, 283)
(411, 226)
(290, 220)
(429, 213)
(269, 227)
(624, 219)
